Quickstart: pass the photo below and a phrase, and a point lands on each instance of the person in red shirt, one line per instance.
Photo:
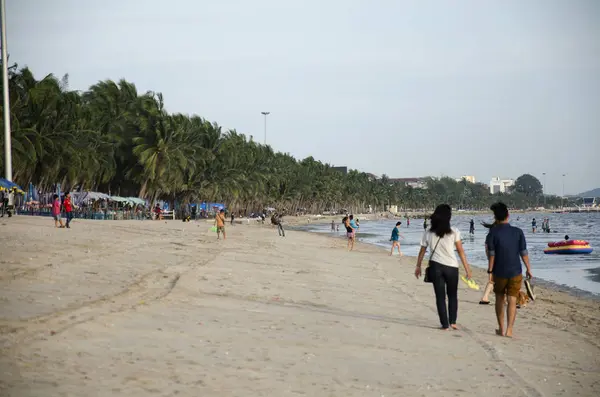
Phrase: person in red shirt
(56, 212)
(68, 209)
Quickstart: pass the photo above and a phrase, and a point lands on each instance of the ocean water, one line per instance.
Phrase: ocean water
(575, 271)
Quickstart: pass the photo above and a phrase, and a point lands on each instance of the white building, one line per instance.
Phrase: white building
(415, 183)
(498, 185)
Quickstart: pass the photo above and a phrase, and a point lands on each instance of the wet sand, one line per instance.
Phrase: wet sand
(130, 308)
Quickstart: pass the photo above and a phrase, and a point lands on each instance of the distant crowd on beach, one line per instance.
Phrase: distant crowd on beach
(505, 247)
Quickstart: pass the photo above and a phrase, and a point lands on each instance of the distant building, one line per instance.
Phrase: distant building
(372, 177)
(589, 202)
(468, 178)
(342, 169)
(498, 185)
(416, 183)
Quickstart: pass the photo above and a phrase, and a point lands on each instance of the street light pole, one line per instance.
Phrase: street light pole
(563, 190)
(5, 102)
(265, 114)
(544, 190)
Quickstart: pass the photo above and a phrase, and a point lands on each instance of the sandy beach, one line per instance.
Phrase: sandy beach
(154, 308)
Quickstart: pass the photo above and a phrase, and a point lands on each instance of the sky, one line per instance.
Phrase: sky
(397, 87)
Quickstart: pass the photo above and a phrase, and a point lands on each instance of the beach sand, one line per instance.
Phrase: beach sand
(154, 308)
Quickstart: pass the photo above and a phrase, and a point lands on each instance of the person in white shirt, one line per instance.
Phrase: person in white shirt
(443, 240)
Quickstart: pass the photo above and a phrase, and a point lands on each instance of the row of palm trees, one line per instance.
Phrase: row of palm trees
(111, 138)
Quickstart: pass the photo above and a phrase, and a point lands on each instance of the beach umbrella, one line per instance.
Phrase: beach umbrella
(5, 184)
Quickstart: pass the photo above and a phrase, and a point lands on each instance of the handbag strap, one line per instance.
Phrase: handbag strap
(434, 248)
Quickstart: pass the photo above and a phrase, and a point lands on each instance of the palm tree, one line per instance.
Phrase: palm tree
(114, 139)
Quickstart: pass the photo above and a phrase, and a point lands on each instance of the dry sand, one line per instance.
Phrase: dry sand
(130, 308)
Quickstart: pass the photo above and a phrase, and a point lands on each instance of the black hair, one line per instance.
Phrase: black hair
(500, 211)
(344, 219)
(351, 217)
(440, 220)
(398, 223)
(566, 236)
(67, 193)
(55, 196)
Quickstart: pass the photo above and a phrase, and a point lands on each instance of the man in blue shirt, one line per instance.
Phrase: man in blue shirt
(506, 248)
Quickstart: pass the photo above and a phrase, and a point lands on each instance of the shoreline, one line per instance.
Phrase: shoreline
(131, 308)
(481, 271)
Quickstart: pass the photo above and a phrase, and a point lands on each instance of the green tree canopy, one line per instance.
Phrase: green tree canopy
(529, 185)
(114, 139)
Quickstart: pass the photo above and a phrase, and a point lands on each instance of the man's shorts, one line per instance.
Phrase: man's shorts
(221, 229)
(56, 217)
(508, 286)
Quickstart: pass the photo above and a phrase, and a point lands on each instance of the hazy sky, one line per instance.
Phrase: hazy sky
(405, 88)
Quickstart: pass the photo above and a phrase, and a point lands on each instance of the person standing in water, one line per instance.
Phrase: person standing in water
(220, 224)
(407, 221)
(506, 249)
(533, 225)
(472, 227)
(332, 225)
(395, 239)
(425, 224)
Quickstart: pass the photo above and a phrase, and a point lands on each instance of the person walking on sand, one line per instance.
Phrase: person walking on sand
(56, 212)
(220, 224)
(395, 239)
(232, 218)
(485, 298)
(157, 212)
(349, 232)
(443, 240)
(507, 247)
(279, 220)
(3, 202)
(68, 209)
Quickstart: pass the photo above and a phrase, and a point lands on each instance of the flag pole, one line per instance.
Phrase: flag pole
(5, 102)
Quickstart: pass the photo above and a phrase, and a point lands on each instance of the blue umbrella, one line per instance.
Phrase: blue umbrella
(8, 185)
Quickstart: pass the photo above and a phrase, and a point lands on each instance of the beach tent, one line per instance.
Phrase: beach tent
(136, 201)
(82, 197)
(118, 199)
(5, 184)
(211, 206)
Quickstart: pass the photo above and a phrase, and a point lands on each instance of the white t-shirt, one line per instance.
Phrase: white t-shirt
(444, 253)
